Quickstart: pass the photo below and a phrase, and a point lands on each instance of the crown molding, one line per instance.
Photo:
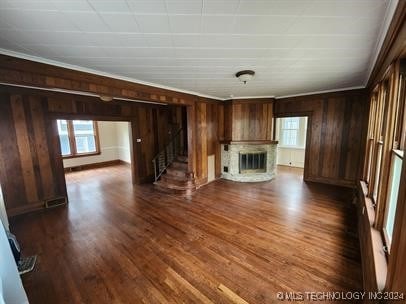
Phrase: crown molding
(100, 73)
(322, 92)
(389, 14)
(250, 97)
(135, 81)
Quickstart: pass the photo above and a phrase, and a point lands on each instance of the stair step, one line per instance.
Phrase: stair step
(182, 158)
(175, 172)
(179, 165)
(173, 189)
(176, 180)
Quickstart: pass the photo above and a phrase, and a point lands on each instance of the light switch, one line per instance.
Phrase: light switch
(138, 139)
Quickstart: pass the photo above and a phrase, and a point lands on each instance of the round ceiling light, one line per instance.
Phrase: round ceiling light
(245, 75)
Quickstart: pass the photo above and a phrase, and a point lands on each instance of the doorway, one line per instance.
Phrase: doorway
(291, 132)
(90, 148)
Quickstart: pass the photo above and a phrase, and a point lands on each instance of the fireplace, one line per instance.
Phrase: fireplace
(248, 161)
(251, 162)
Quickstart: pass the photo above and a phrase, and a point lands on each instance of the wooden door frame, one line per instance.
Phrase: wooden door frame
(309, 115)
(135, 178)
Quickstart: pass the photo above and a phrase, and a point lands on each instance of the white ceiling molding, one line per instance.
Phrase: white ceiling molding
(100, 73)
(81, 93)
(197, 46)
(390, 11)
(321, 92)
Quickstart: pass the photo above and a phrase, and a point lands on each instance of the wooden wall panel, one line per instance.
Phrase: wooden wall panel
(30, 173)
(247, 120)
(31, 168)
(201, 143)
(208, 115)
(335, 132)
(29, 73)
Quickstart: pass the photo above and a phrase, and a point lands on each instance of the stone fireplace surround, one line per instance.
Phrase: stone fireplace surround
(230, 160)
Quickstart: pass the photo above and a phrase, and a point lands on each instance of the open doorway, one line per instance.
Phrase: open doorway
(94, 153)
(291, 132)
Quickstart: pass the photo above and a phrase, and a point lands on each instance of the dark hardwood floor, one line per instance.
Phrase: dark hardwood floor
(229, 243)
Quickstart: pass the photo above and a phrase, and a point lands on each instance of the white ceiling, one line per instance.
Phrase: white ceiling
(294, 46)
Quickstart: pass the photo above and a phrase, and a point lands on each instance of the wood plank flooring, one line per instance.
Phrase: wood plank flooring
(229, 243)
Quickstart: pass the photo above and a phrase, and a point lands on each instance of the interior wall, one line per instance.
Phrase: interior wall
(246, 119)
(206, 143)
(31, 166)
(123, 141)
(114, 144)
(337, 126)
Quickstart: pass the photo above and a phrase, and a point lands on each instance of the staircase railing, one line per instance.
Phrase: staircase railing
(167, 155)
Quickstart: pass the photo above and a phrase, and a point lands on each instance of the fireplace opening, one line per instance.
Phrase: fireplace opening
(252, 162)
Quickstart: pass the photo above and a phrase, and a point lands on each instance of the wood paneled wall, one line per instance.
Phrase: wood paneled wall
(29, 73)
(31, 169)
(207, 139)
(336, 129)
(246, 120)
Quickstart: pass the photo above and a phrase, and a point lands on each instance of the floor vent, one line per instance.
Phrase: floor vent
(55, 202)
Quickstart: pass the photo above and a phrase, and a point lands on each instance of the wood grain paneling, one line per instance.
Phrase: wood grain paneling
(207, 138)
(31, 170)
(31, 164)
(337, 123)
(246, 120)
(29, 73)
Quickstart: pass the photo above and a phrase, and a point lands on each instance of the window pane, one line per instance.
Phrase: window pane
(84, 136)
(289, 137)
(83, 127)
(64, 137)
(393, 195)
(85, 144)
(65, 147)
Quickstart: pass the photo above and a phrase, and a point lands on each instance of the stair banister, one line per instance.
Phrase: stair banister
(167, 155)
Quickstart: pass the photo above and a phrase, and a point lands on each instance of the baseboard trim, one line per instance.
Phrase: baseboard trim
(96, 165)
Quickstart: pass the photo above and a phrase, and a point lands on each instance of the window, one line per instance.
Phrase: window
(78, 137)
(395, 163)
(394, 182)
(289, 131)
(378, 133)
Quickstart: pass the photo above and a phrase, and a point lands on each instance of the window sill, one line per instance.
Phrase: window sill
(81, 155)
(376, 242)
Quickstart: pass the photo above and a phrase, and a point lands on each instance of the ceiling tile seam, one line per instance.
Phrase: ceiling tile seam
(186, 33)
(136, 22)
(187, 14)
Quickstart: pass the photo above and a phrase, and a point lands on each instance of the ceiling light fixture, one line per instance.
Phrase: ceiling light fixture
(245, 75)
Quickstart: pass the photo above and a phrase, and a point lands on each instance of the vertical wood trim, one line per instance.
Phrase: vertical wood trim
(24, 148)
(191, 133)
(344, 138)
(33, 146)
(136, 152)
(42, 148)
(323, 136)
(11, 183)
